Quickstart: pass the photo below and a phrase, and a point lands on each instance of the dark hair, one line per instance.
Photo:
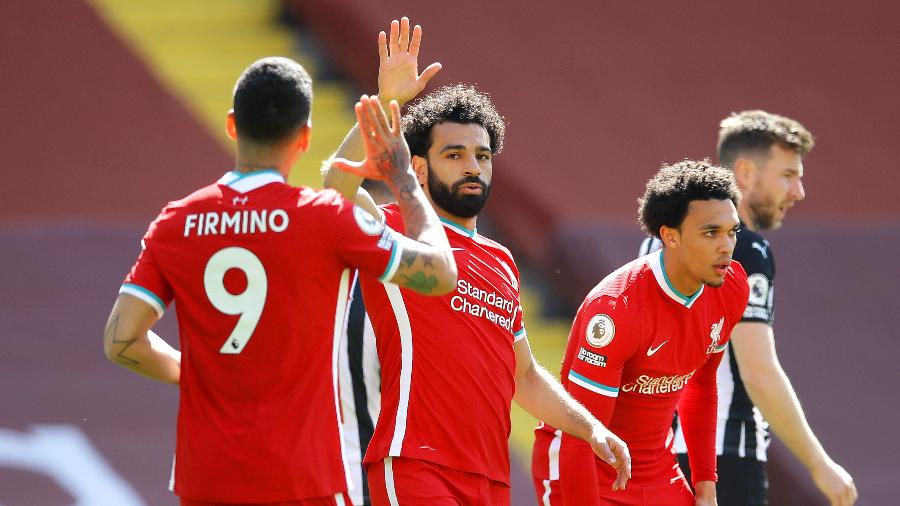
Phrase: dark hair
(754, 132)
(457, 104)
(671, 190)
(272, 99)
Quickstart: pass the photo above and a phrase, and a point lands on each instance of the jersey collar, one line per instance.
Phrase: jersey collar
(459, 229)
(243, 182)
(662, 279)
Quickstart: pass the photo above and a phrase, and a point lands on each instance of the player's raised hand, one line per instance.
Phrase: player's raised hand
(387, 154)
(612, 450)
(398, 70)
(836, 483)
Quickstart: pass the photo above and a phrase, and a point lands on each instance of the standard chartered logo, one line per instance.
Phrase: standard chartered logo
(650, 385)
(484, 304)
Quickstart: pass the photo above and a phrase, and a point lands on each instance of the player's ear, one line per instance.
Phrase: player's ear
(230, 127)
(301, 142)
(744, 172)
(420, 167)
(669, 236)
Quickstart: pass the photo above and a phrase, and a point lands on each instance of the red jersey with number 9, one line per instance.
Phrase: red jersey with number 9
(260, 273)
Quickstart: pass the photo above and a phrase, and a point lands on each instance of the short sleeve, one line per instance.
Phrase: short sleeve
(146, 280)
(605, 336)
(756, 258)
(364, 241)
(518, 327)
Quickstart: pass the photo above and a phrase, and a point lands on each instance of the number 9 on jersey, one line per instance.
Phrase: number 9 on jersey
(248, 304)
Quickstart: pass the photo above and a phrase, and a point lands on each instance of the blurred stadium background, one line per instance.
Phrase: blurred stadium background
(109, 108)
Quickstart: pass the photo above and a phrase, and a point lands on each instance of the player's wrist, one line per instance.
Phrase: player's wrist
(705, 489)
(400, 179)
(385, 101)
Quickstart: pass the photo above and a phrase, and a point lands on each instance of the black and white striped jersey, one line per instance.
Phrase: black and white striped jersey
(360, 390)
(741, 429)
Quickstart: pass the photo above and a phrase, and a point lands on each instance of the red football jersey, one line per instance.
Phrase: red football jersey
(260, 272)
(638, 349)
(447, 363)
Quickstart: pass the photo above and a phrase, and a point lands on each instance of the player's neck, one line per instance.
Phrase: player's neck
(251, 158)
(678, 275)
(746, 216)
(467, 223)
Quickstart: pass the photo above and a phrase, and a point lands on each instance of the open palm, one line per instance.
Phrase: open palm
(398, 71)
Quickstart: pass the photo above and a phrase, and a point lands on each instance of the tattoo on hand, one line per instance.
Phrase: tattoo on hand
(419, 282)
(120, 357)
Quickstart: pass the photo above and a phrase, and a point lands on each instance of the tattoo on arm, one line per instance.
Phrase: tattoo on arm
(419, 282)
(407, 192)
(111, 332)
(409, 256)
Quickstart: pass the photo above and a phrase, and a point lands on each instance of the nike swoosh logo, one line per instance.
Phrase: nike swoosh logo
(457, 249)
(652, 350)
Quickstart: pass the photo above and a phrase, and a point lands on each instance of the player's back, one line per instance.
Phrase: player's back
(258, 282)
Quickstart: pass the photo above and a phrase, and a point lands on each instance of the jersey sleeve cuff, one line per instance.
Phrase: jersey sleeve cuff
(704, 476)
(518, 336)
(145, 295)
(393, 263)
(593, 386)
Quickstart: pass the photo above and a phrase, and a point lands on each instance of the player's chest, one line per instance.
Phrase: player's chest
(674, 345)
(487, 290)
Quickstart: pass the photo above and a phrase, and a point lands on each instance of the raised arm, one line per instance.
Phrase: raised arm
(426, 265)
(399, 80)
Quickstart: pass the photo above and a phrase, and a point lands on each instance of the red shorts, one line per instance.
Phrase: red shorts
(341, 499)
(398, 481)
(677, 493)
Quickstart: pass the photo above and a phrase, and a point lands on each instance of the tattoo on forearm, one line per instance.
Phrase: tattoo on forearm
(419, 282)
(409, 256)
(121, 358)
(407, 192)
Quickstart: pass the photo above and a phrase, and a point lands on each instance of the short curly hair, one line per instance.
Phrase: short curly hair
(272, 99)
(457, 104)
(754, 132)
(671, 190)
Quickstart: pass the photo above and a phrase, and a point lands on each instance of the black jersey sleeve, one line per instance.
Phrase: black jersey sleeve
(754, 254)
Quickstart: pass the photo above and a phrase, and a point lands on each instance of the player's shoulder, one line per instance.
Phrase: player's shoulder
(199, 200)
(620, 289)
(752, 250)
(736, 285)
(200, 196)
(493, 246)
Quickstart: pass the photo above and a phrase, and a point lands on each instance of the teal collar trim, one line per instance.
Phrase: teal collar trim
(244, 182)
(459, 229)
(657, 263)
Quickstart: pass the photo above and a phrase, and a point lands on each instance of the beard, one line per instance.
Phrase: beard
(449, 199)
(765, 213)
